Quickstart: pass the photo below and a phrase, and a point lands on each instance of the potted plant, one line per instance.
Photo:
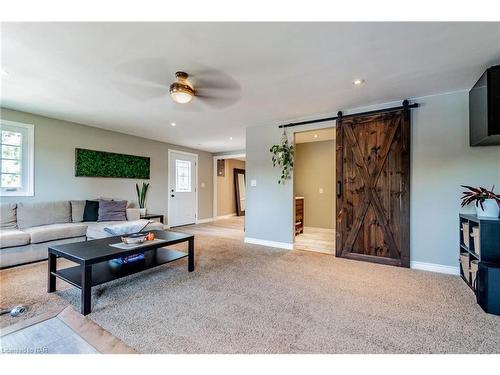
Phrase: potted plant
(283, 157)
(141, 196)
(485, 200)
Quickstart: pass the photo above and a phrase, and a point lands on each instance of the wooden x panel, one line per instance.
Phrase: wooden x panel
(369, 147)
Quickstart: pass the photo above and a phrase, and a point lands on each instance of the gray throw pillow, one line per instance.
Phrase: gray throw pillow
(77, 208)
(112, 211)
(8, 217)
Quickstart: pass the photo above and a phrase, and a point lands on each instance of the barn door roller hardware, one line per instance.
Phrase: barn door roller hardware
(405, 105)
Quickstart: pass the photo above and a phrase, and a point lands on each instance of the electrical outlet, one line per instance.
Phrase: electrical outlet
(253, 182)
(321, 191)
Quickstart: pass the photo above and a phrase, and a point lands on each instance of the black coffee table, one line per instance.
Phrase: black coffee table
(94, 266)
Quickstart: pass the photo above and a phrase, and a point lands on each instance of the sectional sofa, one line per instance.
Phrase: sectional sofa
(28, 229)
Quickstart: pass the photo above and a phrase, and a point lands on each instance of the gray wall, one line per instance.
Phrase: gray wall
(314, 168)
(269, 210)
(441, 161)
(55, 143)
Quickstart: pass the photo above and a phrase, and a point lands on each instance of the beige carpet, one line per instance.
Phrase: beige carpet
(252, 299)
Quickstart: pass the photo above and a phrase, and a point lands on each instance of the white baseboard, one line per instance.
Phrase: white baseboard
(225, 216)
(280, 245)
(207, 220)
(450, 270)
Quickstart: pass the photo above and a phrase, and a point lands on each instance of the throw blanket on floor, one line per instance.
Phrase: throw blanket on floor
(127, 227)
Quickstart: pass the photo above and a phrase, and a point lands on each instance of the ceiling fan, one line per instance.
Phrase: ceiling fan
(181, 91)
(203, 87)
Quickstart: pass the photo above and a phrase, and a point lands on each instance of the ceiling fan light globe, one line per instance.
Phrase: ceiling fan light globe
(181, 93)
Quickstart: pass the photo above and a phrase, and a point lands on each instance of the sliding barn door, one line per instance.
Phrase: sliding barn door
(373, 188)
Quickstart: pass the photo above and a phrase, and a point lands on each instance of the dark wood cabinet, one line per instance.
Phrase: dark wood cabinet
(299, 215)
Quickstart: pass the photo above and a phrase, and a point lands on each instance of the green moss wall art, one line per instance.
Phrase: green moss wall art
(91, 163)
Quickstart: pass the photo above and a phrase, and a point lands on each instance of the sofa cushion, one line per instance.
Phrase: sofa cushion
(15, 255)
(112, 211)
(8, 217)
(77, 208)
(52, 232)
(91, 211)
(13, 237)
(42, 213)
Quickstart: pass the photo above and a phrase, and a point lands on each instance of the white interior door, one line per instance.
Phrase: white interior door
(182, 188)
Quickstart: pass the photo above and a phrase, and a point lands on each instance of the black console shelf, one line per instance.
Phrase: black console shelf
(487, 288)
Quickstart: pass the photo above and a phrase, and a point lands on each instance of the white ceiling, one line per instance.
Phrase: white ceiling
(116, 75)
(318, 135)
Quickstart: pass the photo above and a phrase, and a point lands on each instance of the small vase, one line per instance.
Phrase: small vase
(491, 209)
(142, 211)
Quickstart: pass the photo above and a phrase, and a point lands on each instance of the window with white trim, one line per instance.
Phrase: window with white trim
(182, 176)
(16, 157)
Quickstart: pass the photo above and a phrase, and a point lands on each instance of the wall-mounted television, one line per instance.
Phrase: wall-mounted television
(484, 109)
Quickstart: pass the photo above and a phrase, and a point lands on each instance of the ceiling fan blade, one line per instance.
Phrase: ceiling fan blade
(151, 70)
(140, 91)
(212, 79)
(218, 101)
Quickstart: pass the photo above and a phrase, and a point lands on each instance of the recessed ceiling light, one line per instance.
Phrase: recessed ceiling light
(230, 138)
(173, 123)
(358, 81)
(315, 136)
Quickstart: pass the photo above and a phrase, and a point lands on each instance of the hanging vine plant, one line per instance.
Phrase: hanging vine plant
(283, 158)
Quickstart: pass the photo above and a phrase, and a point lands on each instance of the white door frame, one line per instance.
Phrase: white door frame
(214, 178)
(307, 128)
(170, 182)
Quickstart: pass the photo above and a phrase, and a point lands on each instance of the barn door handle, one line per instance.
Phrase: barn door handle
(339, 189)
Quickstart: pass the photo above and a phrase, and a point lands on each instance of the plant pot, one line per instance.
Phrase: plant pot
(491, 209)
(142, 211)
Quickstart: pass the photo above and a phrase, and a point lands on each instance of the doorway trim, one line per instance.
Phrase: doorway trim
(214, 177)
(170, 151)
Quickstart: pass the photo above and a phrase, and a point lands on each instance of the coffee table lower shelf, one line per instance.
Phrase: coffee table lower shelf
(108, 271)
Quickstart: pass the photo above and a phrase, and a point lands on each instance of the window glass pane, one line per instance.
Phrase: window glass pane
(11, 152)
(11, 180)
(182, 176)
(11, 166)
(16, 159)
(11, 138)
